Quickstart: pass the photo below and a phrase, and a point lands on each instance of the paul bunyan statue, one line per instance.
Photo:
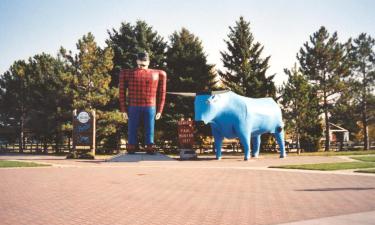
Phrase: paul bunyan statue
(146, 97)
(231, 115)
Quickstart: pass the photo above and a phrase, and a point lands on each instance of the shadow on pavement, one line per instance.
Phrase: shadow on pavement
(339, 189)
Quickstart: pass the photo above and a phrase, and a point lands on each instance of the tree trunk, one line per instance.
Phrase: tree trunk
(298, 143)
(364, 113)
(327, 141)
(21, 140)
(326, 119)
(365, 129)
(24, 143)
(57, 148)
(22, 119)
(298, 135)
(45, 146)
(69, 147)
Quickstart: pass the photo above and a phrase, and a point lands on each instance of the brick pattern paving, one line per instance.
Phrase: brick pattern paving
(165, 193)
(363, 218)
(204, 161)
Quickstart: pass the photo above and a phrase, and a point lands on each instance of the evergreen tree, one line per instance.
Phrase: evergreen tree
(301, 112)
(90, 83)
(14, 90)
(363, 57)
(245, 68)
(325, 64)
(187, 64)
(188, 71)
(346, 112)
(50, 107)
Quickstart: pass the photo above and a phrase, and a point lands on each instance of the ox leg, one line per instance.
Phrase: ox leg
(245, 141)
(280, 140)
(256, 146)
(218, 142)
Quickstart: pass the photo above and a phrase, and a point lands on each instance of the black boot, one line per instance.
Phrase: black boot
(150, 149)
(130, 149)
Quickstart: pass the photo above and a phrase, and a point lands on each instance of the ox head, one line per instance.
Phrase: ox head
(208, 105)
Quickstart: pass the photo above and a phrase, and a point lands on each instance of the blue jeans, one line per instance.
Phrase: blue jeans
(136, 114)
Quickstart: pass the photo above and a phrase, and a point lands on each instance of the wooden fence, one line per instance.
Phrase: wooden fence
(166, 148)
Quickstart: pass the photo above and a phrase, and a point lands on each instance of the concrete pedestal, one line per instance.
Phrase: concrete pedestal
(139, 156)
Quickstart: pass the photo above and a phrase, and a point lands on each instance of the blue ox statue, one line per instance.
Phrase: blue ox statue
(231, 115)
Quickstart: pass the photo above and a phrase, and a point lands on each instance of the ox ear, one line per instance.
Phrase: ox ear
(213, 99)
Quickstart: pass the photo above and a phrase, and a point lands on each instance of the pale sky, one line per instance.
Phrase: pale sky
(29, 27)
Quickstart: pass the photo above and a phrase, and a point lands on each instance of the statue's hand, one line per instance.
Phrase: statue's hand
(125, 116)
(158, 115)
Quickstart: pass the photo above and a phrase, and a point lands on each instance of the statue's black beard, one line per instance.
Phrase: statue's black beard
(142, 66)
(142, 63)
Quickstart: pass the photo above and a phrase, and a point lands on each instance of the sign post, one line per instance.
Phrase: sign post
(186, 133)
(84, 127)
(186, 138)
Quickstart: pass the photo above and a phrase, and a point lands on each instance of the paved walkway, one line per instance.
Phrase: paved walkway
(364, 218)
(201, 192)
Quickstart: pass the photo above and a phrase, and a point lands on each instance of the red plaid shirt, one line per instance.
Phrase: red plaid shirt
(144, 87)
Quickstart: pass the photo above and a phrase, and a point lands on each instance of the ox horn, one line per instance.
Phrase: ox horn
(185, 94)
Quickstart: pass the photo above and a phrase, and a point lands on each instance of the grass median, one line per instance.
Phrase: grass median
(330, 166)
(336, 153)
(363, 162)
(8, 163)
(365, 158)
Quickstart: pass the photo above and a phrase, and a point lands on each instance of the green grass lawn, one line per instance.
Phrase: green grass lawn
(363, 162)
(330, 166)
(365, 158)
(329, 153)
(336, 153)
(6, 163)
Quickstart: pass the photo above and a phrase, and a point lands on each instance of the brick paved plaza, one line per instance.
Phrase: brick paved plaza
(201, 192)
